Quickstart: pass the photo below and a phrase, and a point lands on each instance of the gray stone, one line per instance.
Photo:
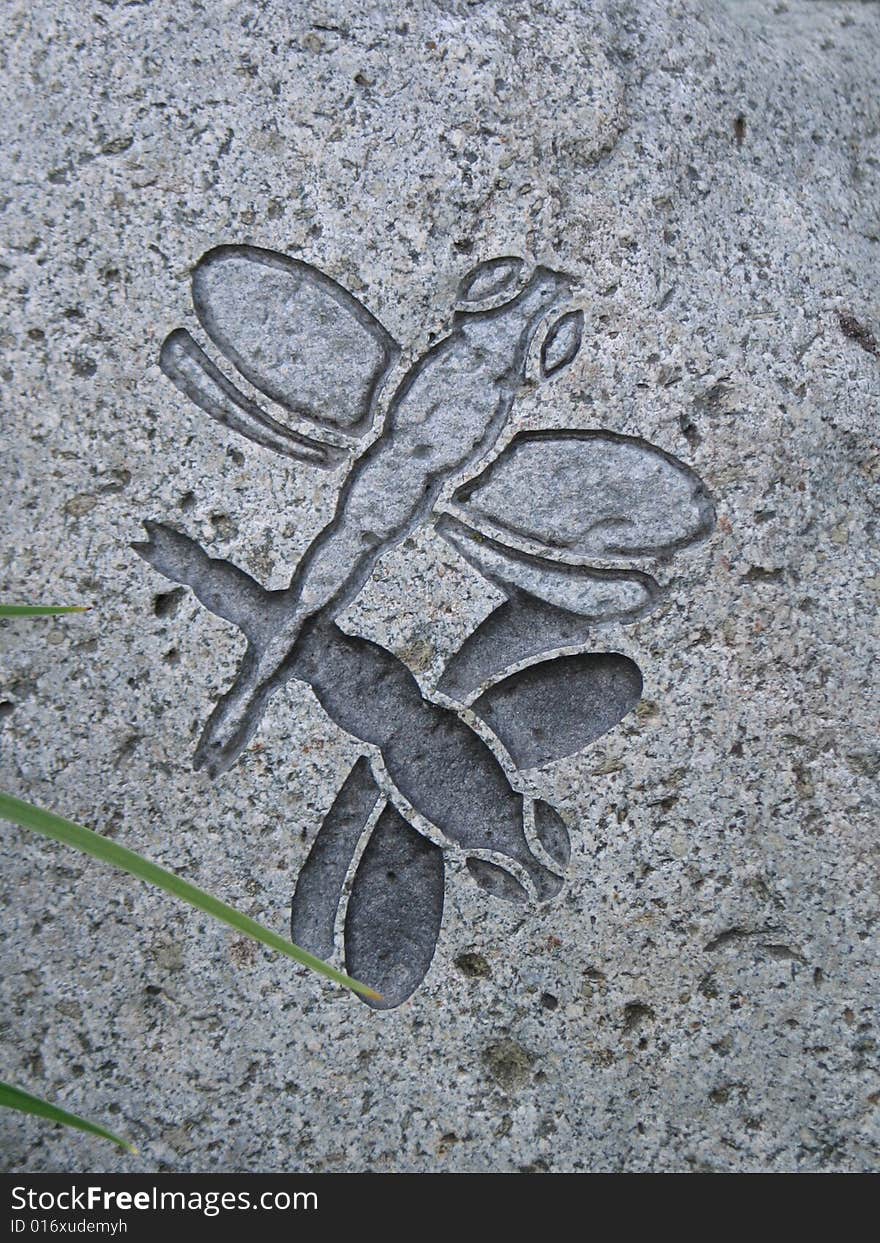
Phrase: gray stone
(588, 291)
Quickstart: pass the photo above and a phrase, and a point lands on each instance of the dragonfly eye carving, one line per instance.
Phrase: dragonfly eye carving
(562, 343)
(533, 523)
(489, 281)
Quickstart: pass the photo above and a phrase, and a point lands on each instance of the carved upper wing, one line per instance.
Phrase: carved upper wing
(294, 333)
(589, 494)
(576, 495)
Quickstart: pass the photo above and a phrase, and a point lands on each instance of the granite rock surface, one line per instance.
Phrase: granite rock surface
(702, 993)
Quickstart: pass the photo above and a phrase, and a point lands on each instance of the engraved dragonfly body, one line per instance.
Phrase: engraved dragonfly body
(447, 411)
(316, 351)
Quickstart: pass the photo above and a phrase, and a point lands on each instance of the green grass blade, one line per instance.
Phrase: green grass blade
(40, 610)
(70, 834)
(16, 1098)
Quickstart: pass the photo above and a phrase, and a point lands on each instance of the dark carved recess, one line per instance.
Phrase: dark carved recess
(559, 706)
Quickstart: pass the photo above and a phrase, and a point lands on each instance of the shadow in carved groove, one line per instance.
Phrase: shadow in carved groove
(561, 705)
(324, 360)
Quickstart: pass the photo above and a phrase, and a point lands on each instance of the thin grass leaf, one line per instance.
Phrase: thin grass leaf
(17, 1098)
(27, 816)
(41, 610)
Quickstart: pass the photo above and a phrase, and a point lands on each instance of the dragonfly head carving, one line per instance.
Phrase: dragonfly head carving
(502, 309)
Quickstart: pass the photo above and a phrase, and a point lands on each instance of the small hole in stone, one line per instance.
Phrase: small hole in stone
(473, 965)
(167, 603)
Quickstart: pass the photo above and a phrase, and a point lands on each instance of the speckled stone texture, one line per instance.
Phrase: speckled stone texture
(702, 995)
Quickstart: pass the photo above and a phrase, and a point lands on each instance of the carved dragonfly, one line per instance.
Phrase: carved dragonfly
(440, 770)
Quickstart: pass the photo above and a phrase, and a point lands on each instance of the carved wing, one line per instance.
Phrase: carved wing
(395, 907)
(573, 495)
(549, 606)
(588, 494)
(555, 708)
(294, 334)
(321, 880)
